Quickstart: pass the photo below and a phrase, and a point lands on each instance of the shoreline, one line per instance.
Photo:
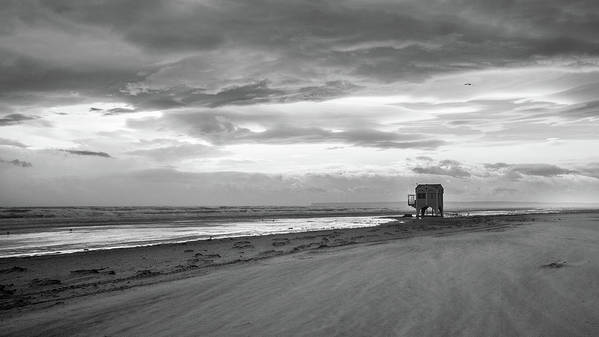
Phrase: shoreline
(126, 245)
(54, 222)
(394, 219)
(27, 282)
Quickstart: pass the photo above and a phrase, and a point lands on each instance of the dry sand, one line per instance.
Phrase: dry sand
(493, 276)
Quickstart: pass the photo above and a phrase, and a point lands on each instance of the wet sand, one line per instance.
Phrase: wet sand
(485, 276)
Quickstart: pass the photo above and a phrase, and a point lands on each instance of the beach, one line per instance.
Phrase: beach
(518, 275)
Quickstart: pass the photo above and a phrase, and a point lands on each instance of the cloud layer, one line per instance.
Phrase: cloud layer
(495, 93)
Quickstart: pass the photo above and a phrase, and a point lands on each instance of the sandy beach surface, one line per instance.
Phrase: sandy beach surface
(534, 275)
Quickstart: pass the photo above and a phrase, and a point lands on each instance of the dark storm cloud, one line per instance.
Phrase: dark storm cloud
(194, 25)
(258, 92)
(25, 74)
(87, 153)
(156, 25)
(303, 42)
(16, 162)
(450, 168)
(16, 118)
(254, 93)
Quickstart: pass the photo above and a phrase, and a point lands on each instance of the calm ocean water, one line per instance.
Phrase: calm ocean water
(38, 231)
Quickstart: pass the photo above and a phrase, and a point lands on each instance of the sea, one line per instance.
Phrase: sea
(29, 231)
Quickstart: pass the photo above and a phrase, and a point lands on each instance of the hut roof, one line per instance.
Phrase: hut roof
(436, 186)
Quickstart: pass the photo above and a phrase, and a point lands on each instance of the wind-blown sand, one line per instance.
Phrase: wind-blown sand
(490, 276)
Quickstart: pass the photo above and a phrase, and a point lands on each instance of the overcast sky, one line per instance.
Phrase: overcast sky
(291, 102)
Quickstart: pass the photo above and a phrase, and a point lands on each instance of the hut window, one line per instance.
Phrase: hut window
(421, 196)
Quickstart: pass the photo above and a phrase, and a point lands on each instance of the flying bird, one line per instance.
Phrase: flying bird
(467, 83)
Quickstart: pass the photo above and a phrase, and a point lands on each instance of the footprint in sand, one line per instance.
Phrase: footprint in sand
(280, 242)
(555, 265)
(15, 269)
(4, 291)
(36, 282)
(87, 271)
(207, 256)
(146, 273)
(243, 244)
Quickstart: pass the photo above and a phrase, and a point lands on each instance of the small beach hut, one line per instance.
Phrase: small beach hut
(427, 197)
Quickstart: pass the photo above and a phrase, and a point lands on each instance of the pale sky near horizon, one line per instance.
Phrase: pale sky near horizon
(292, 102)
